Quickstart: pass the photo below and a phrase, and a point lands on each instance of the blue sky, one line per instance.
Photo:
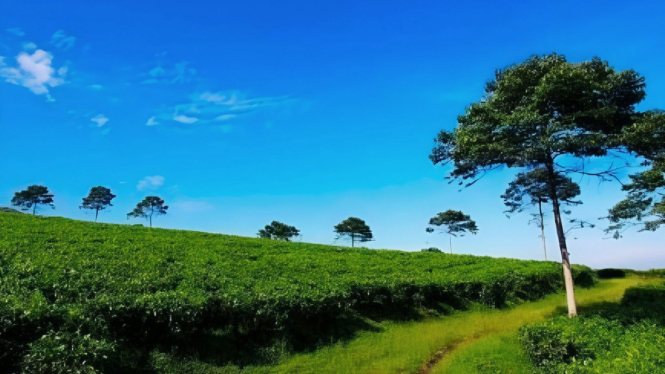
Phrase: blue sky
(240, 113)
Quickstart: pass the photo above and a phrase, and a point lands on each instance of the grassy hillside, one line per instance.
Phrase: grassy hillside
(102, 297)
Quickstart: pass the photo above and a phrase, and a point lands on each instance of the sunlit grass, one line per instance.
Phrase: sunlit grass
(405, 347)
(495, 353)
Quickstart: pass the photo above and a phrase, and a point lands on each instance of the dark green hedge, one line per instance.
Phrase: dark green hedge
(611, 273)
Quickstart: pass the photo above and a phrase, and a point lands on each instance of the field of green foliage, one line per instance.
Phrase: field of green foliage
(104, 298)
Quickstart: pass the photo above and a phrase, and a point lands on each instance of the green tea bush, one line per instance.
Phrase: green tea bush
(625, 338)
(113, 294)
(583, 276)
(611, 273)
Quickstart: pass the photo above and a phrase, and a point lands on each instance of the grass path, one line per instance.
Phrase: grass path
(437, 345)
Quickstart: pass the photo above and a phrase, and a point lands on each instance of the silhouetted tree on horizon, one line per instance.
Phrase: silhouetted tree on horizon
(279, 231)
(98, 199)
(32, 197)
(455, 222)
(149, 207)
(355, 228)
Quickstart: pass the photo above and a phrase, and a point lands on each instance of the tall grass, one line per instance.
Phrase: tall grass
(405, 347)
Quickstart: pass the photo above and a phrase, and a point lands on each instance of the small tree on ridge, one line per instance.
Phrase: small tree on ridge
(32, 197)
(455, 223)
(356, 229)
(98, 199)
(279, 231)
(150, 206)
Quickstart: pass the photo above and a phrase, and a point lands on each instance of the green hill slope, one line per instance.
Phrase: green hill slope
(101, 297)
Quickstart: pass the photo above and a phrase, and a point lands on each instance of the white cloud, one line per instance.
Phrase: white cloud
(184, 119)
(96, 87)
(150, 183)
(29, 46)
(151, 122)
(34, 71)
(62, 41)
(16, 31)
(99, 119)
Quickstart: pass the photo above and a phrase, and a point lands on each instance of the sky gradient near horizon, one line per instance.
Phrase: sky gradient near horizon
(240, 113)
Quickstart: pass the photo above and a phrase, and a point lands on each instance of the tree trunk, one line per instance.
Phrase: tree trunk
(565, 259)
(450, 240)
(353, 238)
(542, 227)
(34, 209)
(96, 214)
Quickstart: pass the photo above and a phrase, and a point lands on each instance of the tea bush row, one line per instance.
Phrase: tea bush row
(102, 297)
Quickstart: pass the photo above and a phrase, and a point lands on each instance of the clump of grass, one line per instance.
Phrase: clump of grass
(500, 353)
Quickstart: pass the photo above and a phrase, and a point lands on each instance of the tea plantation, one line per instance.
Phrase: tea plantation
(102, 298)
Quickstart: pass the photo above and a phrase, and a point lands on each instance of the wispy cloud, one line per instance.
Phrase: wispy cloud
(34, 71)
(216, 107)
(150, 183)
(151, 122)
(178, 73)
(16, 31)
(62, 41)
(99, 119)
(184, 119)
(96, 87)
(29, 46)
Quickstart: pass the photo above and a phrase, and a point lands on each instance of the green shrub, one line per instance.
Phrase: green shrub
(611, 273)
(583, 276)
(64, 353)
(653, 273)
(431, 249)
(8, 210)
(624, 338)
